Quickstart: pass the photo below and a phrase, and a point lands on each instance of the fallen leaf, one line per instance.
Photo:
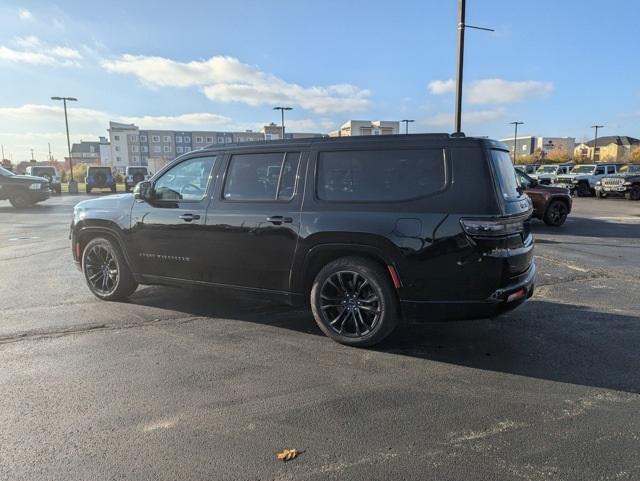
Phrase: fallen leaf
(287, 454)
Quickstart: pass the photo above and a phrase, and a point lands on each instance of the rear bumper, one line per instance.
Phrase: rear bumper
(501, 300)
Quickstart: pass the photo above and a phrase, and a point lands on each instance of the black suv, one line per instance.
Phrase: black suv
(368, 230)
(23, 190)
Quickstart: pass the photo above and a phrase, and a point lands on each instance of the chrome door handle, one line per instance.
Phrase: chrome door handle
(189, 217)
(278, 219)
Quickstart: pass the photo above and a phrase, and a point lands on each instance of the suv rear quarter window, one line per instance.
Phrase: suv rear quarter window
(507, 182)
(380, 175)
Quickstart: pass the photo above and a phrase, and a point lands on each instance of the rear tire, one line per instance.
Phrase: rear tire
(106, 271)
(20, 200)
(354, 302)
(556, 213)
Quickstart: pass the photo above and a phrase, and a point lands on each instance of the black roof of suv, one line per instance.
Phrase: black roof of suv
(365, 229)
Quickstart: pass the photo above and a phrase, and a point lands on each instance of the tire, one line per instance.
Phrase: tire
(583, 189)
(634, 193)
(363, 287)
(600, 195)
(556, 213)
(106, 271)
(20, 200)
(58, 190)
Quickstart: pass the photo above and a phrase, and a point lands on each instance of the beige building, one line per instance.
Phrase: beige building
(613, 148)
(367, 127)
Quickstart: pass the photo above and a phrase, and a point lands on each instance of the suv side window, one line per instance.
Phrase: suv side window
(380, 175)
(611, 169)
(599, 171)
(262, 177)
(186, 181)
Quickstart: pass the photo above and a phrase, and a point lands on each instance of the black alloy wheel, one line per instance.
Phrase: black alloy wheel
(106, 271)
(20, 200)
(634, 193)
(556, 213)
(583, 189)
(354, 302)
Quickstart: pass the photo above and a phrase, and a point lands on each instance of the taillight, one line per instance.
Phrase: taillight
(494, 227)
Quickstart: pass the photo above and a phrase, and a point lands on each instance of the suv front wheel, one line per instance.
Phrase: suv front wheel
(353, 302)
(106, 271)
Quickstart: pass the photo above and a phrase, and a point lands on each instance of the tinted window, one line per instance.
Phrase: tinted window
(525, 182)
(268, 176)
(506, 174)
(383, 175)
(186, 181)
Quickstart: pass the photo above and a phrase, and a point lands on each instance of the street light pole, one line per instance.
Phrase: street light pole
(595, 142)
(406, 125)
(282, 109)
(73, 185)
(460, 66)
(515, 140)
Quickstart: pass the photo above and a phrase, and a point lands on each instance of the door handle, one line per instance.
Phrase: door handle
(189, 217)
(278, 219)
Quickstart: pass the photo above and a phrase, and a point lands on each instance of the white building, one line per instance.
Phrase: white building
(105, 152)
(118, 135)
(547, 144)
(367, 127)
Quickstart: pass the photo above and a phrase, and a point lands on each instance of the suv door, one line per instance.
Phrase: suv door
(166, 232)
(253, 223)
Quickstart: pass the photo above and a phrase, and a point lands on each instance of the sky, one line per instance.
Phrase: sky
(559, 67)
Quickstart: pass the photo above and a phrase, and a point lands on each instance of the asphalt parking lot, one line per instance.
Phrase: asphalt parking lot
(190, 385)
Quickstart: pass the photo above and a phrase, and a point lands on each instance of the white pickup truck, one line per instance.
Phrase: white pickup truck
(583, 178)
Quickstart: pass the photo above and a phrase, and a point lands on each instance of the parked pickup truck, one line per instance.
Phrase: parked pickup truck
(626, 183)
(583, 178)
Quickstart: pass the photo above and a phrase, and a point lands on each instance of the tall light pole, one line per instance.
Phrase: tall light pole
(32, 159)
(282, 109)
(406, 125)
(595, 142)
(515, 140)
(460, 67)
(73, 185)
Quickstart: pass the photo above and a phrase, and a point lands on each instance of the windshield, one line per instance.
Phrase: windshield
(548, 169)
(630, 169)
(583, 169)
(5, 173)
(506, 174)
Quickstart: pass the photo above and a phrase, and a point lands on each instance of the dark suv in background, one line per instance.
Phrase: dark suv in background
(551, 204)
(367, 230)
(23, 190)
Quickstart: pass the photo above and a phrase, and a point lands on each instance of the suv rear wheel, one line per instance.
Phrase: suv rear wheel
(106, 271)
(556, 213)
(353, 302)
(20, 200)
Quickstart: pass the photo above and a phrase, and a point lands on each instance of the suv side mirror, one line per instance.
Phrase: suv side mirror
(143, 190)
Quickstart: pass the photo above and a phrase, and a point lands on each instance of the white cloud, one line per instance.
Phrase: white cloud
(473, 117)
(24, 14)
(33, 51)
(494, 91)
(439, 87)
(226, 79)
(183, 121)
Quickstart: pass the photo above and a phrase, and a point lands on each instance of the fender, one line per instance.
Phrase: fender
(95, 226)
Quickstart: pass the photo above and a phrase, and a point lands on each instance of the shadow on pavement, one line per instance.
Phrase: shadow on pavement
(585, 227)
(546, 340)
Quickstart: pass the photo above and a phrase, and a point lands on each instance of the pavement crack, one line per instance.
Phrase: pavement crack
(87, 328)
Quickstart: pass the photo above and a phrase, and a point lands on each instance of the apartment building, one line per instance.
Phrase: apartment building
(86, 152)
(367, 127)
(613, 148)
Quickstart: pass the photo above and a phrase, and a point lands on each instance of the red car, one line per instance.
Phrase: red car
(550, 204)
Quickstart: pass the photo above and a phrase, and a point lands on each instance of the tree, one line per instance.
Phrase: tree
(558, 155)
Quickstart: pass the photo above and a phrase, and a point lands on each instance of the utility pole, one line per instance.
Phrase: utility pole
(32, 159)
(2, 151)
(73, 185)
(460, 66)
(49, 145)
(282, 109)
(595, 142)
(406, 125)
(515, 140)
